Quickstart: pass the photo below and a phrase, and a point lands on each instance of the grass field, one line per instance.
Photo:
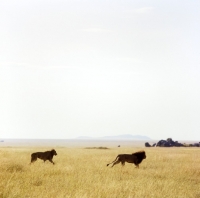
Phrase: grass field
(81, 172)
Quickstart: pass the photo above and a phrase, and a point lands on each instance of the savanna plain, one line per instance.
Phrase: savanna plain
(81, 172)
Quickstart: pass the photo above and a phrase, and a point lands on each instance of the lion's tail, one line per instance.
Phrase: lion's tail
(113, 161)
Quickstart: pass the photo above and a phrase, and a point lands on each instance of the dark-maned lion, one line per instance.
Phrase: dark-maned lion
(47, 155)
(135, 158)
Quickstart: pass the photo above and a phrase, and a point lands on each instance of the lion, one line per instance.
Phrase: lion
(135, 158)
(47, 155)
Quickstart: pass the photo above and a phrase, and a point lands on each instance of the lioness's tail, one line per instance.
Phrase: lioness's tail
(113, 161)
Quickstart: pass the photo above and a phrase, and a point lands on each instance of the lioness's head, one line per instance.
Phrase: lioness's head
(53, 152)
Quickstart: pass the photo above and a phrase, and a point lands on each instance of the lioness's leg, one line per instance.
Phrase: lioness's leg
(33, 158)
(137, 166)
(51, 161)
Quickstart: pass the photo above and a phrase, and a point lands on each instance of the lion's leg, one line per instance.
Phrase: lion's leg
(113, 161)
(117, 162)
(137, 166)
(33, 159)
(123, 163)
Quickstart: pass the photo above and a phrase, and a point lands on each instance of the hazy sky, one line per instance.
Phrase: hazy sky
(94, 68)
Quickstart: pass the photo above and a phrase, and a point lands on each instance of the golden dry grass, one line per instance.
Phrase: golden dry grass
(80, 172)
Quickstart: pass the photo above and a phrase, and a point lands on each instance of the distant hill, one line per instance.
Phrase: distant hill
(118, 137)
(84, 137)
(128, 137)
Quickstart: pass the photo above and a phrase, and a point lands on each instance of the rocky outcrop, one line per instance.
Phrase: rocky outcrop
(197, 144)
(147, 144)
(170, 143)
(163, 143)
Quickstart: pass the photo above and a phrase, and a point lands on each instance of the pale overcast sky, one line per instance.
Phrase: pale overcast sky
(98, 68)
